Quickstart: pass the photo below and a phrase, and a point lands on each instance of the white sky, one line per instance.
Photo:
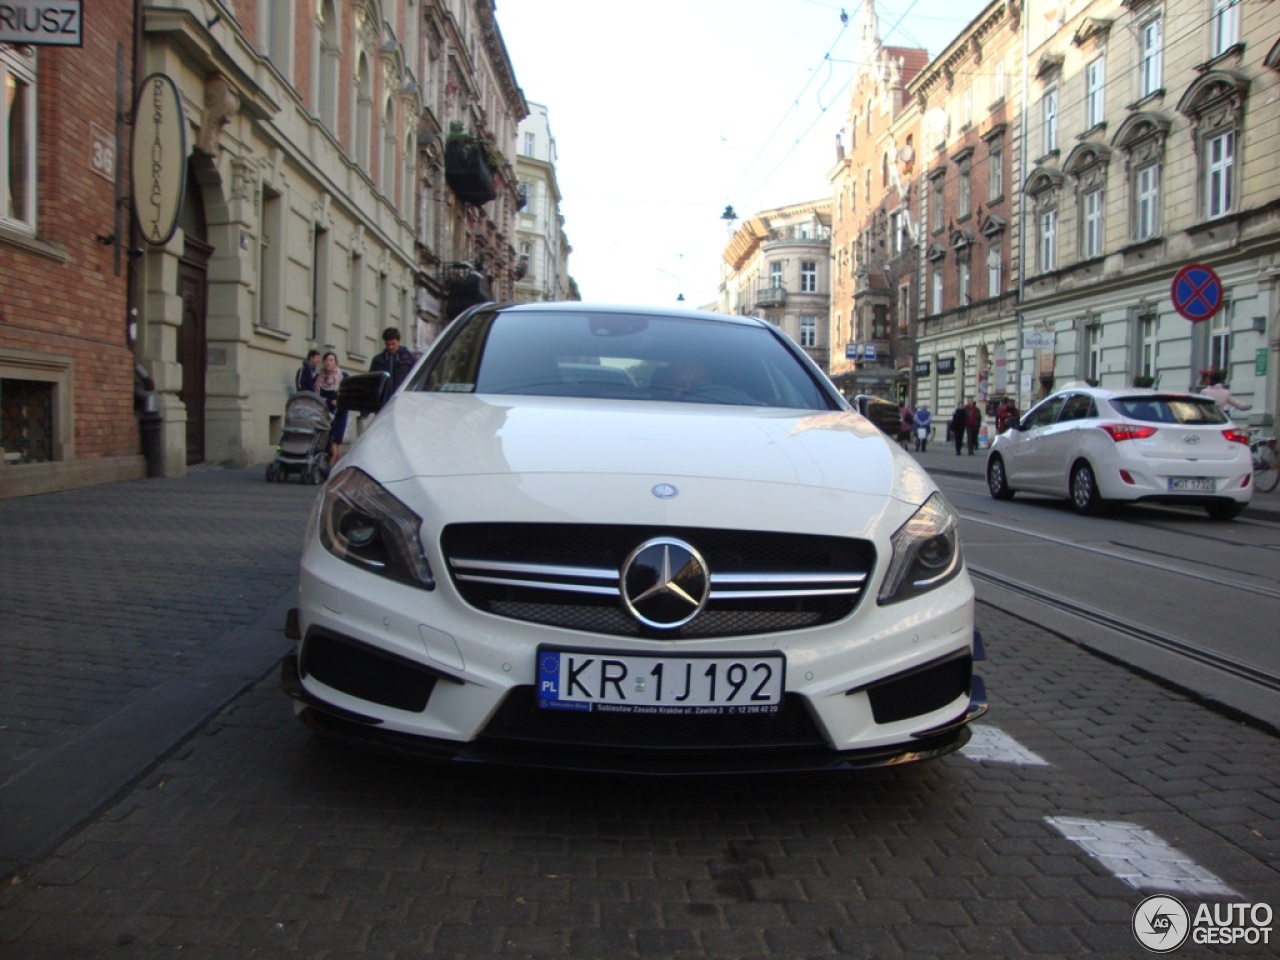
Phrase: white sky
(666, 111)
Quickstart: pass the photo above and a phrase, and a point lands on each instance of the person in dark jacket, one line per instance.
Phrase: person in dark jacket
(395, 359)
(957, 428)
(304, 381)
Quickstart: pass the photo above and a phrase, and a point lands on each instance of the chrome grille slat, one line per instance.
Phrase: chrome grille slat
(569, 576)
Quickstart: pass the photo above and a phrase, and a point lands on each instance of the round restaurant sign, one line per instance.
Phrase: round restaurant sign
(1196, 292)
(159, 152)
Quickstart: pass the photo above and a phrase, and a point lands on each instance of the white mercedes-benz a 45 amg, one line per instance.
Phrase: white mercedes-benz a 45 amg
(631, 540)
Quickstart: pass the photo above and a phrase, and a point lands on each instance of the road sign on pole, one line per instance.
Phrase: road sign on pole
(1196, 292)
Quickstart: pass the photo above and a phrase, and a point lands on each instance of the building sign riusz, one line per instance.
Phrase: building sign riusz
(159, 153)
(42, 23)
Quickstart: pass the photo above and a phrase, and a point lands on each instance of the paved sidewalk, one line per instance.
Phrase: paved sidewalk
(129, 614)
(941, 458)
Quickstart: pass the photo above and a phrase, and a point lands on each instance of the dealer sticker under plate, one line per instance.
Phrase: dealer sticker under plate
(710, 685)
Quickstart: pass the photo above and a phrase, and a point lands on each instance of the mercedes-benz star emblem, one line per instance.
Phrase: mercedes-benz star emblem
(665, 583)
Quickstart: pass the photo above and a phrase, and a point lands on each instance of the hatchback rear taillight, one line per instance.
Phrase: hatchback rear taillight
(1236, 436)
(1124, 431)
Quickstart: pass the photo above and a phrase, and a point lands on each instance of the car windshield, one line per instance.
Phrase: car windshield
(622, 357)
(1169, 409)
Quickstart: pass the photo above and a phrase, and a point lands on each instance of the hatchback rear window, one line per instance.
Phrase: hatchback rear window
(1158, 409)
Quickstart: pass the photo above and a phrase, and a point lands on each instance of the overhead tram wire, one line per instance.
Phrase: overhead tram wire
(822, 112)
(826, 58)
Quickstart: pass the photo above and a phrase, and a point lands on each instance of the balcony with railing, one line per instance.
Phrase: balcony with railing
(771, 297)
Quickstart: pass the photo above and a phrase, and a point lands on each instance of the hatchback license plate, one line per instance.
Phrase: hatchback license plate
(591, 680)
(1193, 484)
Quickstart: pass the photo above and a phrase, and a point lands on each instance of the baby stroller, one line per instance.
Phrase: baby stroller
(304, 442)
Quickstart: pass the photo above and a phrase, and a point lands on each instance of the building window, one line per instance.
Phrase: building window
(530, 142)
(1095, 92)
(775, 276)
(1225, 25)
(904, 306)
(808, 331)
(329, 53)
(363, 112)
(1091, 229)
(867, 181)
(1148, 332)
(1049, 120)
(271, 250)
(355, 305)
(277, 35)
(18, 140)
(808, 276)
(935, 203)
(995, 271)
(1147, 211)
(999, 81)
(1220, 340)
(995, 170)
(319, 332)
(1218, 173)
(964, 202)
(1048, 246)
(388, 176)
(897, 233)
(1150, 53)
(962, 281)
(937, 288)
(1093, 351)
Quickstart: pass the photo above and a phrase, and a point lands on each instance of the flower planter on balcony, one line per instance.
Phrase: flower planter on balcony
(467, 171)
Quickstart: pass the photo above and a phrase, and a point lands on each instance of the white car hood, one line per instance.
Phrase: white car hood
(493, 457)
(441, 435)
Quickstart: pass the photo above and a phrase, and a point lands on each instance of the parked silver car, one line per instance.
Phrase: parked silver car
(1093, 446)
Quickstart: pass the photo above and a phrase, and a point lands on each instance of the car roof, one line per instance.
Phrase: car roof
(578, 306)
(1109, 393)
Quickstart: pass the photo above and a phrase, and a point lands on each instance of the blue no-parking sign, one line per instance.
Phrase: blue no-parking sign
(1196, 292)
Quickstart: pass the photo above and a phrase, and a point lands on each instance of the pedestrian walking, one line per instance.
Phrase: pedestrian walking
(304, 381)
(955, 429)
(972, 423)
(906, 421)
(1221, 395)
(923, 424)
(395, 359)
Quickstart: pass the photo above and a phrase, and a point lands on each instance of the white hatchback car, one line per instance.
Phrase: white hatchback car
(631, 540)
(1094, 446)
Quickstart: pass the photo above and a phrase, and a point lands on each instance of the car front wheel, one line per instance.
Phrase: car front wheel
(997, 481)
(1084, 491)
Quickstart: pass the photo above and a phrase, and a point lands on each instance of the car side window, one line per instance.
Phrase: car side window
(1078, 407)
(1044, 414)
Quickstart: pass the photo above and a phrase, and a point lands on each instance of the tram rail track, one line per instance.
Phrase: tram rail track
(1223, 663)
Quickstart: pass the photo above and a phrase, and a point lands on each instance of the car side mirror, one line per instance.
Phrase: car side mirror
(365, 392)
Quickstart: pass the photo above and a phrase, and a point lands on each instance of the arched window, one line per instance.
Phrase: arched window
(363, 113)
(388, 176)
(327, 65)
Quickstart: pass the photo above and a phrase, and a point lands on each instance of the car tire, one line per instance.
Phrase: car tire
(1085, 499)
(273, 472)
(1223, 511)
(998, 480)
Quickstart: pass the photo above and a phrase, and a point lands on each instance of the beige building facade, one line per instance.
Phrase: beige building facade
(1154, 130)
(777, 268)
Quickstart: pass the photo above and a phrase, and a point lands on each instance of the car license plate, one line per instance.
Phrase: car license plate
(1193, 484)
(605, 682)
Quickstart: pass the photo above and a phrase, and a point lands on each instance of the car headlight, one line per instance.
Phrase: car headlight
(363, 524)
(926, 552)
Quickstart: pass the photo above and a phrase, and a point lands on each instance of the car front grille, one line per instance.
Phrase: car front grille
(569, 576)
(520, 720)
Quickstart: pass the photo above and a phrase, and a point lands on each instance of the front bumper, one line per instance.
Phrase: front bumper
(520, 735)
